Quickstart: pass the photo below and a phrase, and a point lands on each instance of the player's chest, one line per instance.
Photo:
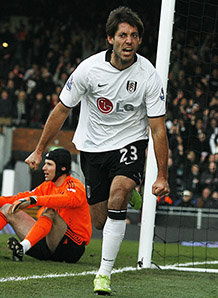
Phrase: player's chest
(124, 91)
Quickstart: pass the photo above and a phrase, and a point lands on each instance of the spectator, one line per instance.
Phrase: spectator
(20, 116)
(54, 100)
(31, 72)
(17, 79)
(214, 200)
(203, 200)
(6, 108)
(191, 159)
(209, 177)
(200, 97)
(209, 199)
(11, 89)
(204, 145)
(213, 142)
(186, 200)
(213, 81)
(61, 80)
(192, 180)
(183, 132)
(45, 83)
(39, 111)
(212, 127)
(212, 134)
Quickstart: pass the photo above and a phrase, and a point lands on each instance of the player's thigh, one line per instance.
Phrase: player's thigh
(129, 161)
(97, 179)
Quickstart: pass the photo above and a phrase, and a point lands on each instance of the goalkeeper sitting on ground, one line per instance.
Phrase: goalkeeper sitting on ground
(64, 228)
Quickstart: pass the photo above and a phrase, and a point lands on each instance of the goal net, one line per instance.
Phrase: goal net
(186, 227)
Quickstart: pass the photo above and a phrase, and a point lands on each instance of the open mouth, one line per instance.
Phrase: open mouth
(127, 50)
(46, 175)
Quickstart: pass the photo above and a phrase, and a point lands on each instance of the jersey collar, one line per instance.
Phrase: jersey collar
(108, 58)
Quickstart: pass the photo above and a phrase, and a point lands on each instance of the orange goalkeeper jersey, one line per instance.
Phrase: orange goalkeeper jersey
(69, 200)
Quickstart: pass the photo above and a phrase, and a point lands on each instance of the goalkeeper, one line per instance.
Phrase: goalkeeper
(64, 227)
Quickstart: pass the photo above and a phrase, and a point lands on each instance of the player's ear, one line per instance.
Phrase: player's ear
(63, 169)
(110, 40)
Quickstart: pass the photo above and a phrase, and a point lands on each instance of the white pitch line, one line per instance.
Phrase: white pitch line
(184, 267)
(119, 270)
(23, 278)
(203, 270)
(191, 264)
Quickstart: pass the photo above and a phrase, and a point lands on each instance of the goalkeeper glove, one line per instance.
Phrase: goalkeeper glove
(22, 204)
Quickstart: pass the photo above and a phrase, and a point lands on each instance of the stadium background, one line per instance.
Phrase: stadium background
(196, 28)
(46, 41)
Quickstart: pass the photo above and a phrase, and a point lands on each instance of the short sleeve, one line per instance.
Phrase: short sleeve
(154, 98)
(75, 87)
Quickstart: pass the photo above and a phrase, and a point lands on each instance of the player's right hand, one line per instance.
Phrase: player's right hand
(34, 160)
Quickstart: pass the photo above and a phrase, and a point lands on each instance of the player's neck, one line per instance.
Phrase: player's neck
(117, 63)
(60, 180)
(120, 64)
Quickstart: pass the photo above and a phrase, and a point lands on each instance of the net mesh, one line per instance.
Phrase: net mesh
(191, 227)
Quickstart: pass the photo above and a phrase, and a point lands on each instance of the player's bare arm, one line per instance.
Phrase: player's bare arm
(158, 129)
(52, 126)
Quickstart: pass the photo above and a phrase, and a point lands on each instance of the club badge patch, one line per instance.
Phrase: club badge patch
(131, 86)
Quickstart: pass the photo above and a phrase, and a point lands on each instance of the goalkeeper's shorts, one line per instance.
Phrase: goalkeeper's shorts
(66, 251)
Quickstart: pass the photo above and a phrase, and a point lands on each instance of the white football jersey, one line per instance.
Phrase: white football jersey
(115, 103)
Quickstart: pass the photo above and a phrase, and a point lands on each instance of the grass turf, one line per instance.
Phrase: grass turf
(142, 283)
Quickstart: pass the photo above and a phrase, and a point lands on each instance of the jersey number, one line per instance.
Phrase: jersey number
(130, 155)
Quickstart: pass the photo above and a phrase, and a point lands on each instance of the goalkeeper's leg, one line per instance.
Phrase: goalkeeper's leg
(21, 223)
(3, 220)
(26, 228)
(50, 226)
(39, 230)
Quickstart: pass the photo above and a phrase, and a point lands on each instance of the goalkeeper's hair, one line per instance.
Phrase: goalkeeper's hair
(123, 14)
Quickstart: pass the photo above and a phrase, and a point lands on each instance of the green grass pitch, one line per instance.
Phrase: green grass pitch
(50, 279)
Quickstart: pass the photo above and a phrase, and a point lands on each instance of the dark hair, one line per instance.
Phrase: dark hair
(123, 14)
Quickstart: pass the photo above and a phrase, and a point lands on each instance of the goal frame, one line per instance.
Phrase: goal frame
(149, 200)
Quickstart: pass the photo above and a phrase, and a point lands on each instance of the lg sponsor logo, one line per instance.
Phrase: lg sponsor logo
(106, 106)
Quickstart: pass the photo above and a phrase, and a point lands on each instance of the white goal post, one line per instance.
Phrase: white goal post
(149, 200)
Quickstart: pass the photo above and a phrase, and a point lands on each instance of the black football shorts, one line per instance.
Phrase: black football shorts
(99, 169)
(67, 251)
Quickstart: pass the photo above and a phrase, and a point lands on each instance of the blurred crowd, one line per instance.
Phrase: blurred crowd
(192, 119)
(41, 54)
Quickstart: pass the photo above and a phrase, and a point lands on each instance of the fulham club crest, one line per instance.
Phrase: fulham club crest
(131, 86)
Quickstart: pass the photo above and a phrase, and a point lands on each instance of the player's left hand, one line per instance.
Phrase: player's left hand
(160, 187)
(22, 204)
